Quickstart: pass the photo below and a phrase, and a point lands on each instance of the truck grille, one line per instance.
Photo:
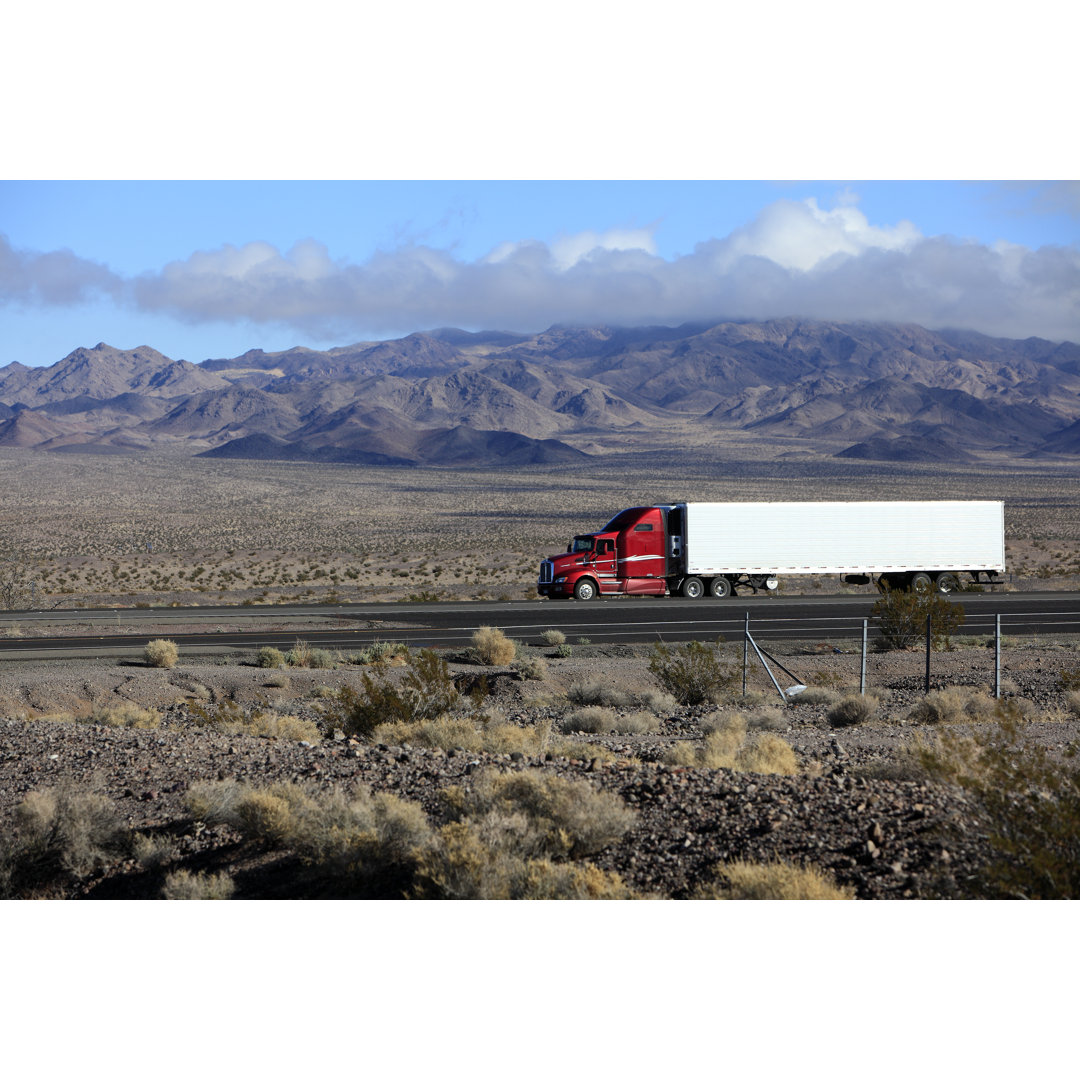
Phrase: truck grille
(546, 572)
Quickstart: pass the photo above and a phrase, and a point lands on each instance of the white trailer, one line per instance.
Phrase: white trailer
(917, 545)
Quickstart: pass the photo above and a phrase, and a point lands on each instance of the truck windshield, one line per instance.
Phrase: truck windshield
(581, 543)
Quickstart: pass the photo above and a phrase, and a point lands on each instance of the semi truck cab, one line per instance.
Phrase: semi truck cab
(628, 555)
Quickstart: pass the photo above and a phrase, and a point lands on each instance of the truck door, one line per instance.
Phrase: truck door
(604, 563)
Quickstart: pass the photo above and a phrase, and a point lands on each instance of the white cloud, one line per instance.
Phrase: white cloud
(800, 235)
(52, 278)
(569, 250)
(793, 259)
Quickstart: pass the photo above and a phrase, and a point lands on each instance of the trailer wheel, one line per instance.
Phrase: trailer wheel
(585, 589)
(693, 588)
(920, 583)
(720, 587)
(947, 583)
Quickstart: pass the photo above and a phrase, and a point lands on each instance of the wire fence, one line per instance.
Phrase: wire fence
(991, 625)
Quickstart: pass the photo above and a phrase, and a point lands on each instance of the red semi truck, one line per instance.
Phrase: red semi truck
(698, 549)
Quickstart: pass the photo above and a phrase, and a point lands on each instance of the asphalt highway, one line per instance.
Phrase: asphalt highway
(612, 620)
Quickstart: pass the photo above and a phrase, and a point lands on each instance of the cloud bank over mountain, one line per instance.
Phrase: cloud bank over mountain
(793, 259)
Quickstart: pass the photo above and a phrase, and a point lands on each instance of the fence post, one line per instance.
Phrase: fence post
(928, 634)
(862, 674)
(745, 651)
(997, 656)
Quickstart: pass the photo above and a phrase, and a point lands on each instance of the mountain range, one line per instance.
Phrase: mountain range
(451, 397)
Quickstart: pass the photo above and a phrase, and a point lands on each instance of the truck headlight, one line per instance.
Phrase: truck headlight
(559, 580)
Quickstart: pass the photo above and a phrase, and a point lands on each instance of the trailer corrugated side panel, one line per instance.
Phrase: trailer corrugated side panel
(844, 537)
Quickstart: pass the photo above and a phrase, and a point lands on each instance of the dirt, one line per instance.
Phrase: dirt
(858, 807)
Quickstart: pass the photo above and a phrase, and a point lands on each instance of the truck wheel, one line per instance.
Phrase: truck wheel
(920, 583)
(585, 589)
(720, 587)
(947, 583)
(693, 588)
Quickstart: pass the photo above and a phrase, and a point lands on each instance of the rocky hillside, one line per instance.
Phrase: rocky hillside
(871, 391)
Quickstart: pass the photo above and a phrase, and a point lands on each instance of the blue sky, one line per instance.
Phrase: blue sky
(201, 269)
(288, 181)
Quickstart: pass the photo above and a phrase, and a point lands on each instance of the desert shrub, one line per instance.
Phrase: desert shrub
(380, 652)
(125, 714)
(880, 694)
(233, 719)
(1069, 679)
(152, 852)
(492, 646)
(726, 746)
(442, 733)
(901, 619)
(426, 692)
(597, 693)
(274, 725)
(564, 650)
(767, 754)
(849, 711)
(62, 834)
(184, 885)
(1072, 700)
(751, 699)
(816, 695)
(1026, 803)
(541, 814)
(355, 845)
(592, 720)
(303, 655)
(482, 734)
(732, 724)
(692, 673)
(594, 692)
(597, 720)
(266, 814)
(952, 704)
(641, 722)
(741, 880)
(531, 667)
(553, 637)
(269, 657)
(213, 801)
(161, 653)
(462, 866)
(658, 701)
(766, 720)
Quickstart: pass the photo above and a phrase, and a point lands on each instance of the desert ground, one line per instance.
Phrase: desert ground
(107, 530)
(152, 749)
(223, 777)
